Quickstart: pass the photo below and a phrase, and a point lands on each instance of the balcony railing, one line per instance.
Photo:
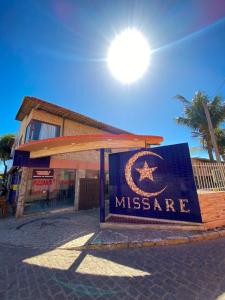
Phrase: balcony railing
(209, 176)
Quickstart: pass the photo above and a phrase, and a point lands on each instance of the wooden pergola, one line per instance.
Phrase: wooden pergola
(65, 144)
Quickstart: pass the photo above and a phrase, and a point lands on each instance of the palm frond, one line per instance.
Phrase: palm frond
(182, 121)
(182, 99)
(217, 111)
(196, 134)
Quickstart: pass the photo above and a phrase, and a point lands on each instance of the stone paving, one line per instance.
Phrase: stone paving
(40, 259)
(49, 230)
(182, 272)
(74, 230)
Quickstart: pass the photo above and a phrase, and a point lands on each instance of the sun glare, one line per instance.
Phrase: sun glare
(129, 56)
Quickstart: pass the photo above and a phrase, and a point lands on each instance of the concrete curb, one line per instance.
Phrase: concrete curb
(196, 227)
(173, 240)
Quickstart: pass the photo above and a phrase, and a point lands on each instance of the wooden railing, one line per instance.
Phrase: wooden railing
(209, 176)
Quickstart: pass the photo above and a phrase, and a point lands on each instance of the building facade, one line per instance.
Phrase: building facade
(57, 178)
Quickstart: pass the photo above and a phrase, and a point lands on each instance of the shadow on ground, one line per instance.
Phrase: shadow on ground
(192, 271)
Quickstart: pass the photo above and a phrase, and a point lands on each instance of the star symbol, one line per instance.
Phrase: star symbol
(146, 172)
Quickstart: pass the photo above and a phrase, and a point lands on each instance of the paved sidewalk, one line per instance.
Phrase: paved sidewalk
(80, 231)
(186, 272)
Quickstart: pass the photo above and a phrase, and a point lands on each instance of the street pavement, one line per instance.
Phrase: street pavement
(37, 263)
(191, 271)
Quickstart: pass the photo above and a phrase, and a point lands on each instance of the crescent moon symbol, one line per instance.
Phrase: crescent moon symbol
(129, 178)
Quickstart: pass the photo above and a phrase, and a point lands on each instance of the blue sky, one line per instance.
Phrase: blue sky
(55, 50)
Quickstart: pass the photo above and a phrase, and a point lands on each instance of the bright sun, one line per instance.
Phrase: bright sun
(129, 56)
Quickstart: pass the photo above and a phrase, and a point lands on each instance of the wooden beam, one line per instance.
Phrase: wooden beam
(76, 147)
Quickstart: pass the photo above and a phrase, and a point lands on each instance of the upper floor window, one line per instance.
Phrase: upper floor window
(38, 130)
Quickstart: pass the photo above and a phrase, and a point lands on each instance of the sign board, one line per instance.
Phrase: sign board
(154, 183)
(43, 174)
(22, 159)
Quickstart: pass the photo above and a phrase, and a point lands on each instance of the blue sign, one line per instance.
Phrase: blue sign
(155, 183)
(22, 159)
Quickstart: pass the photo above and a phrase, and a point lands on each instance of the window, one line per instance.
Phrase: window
(37, 130)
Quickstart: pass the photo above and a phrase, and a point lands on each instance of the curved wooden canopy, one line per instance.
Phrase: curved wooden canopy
(65, 144)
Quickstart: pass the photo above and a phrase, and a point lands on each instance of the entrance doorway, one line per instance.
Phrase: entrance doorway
(88, 193)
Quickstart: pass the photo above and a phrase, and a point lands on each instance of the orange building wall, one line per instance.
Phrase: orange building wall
(75, 128)
(23, 127)
(77, 160)
(44, 116)
(212, 205)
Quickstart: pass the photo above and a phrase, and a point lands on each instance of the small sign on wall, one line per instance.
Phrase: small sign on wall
(154, 182)
(43, 174)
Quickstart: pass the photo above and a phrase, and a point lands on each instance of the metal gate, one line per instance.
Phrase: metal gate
(88, 193)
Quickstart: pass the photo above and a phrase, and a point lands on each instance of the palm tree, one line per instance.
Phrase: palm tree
(195, 118)
(6, 143)
(220, 136)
